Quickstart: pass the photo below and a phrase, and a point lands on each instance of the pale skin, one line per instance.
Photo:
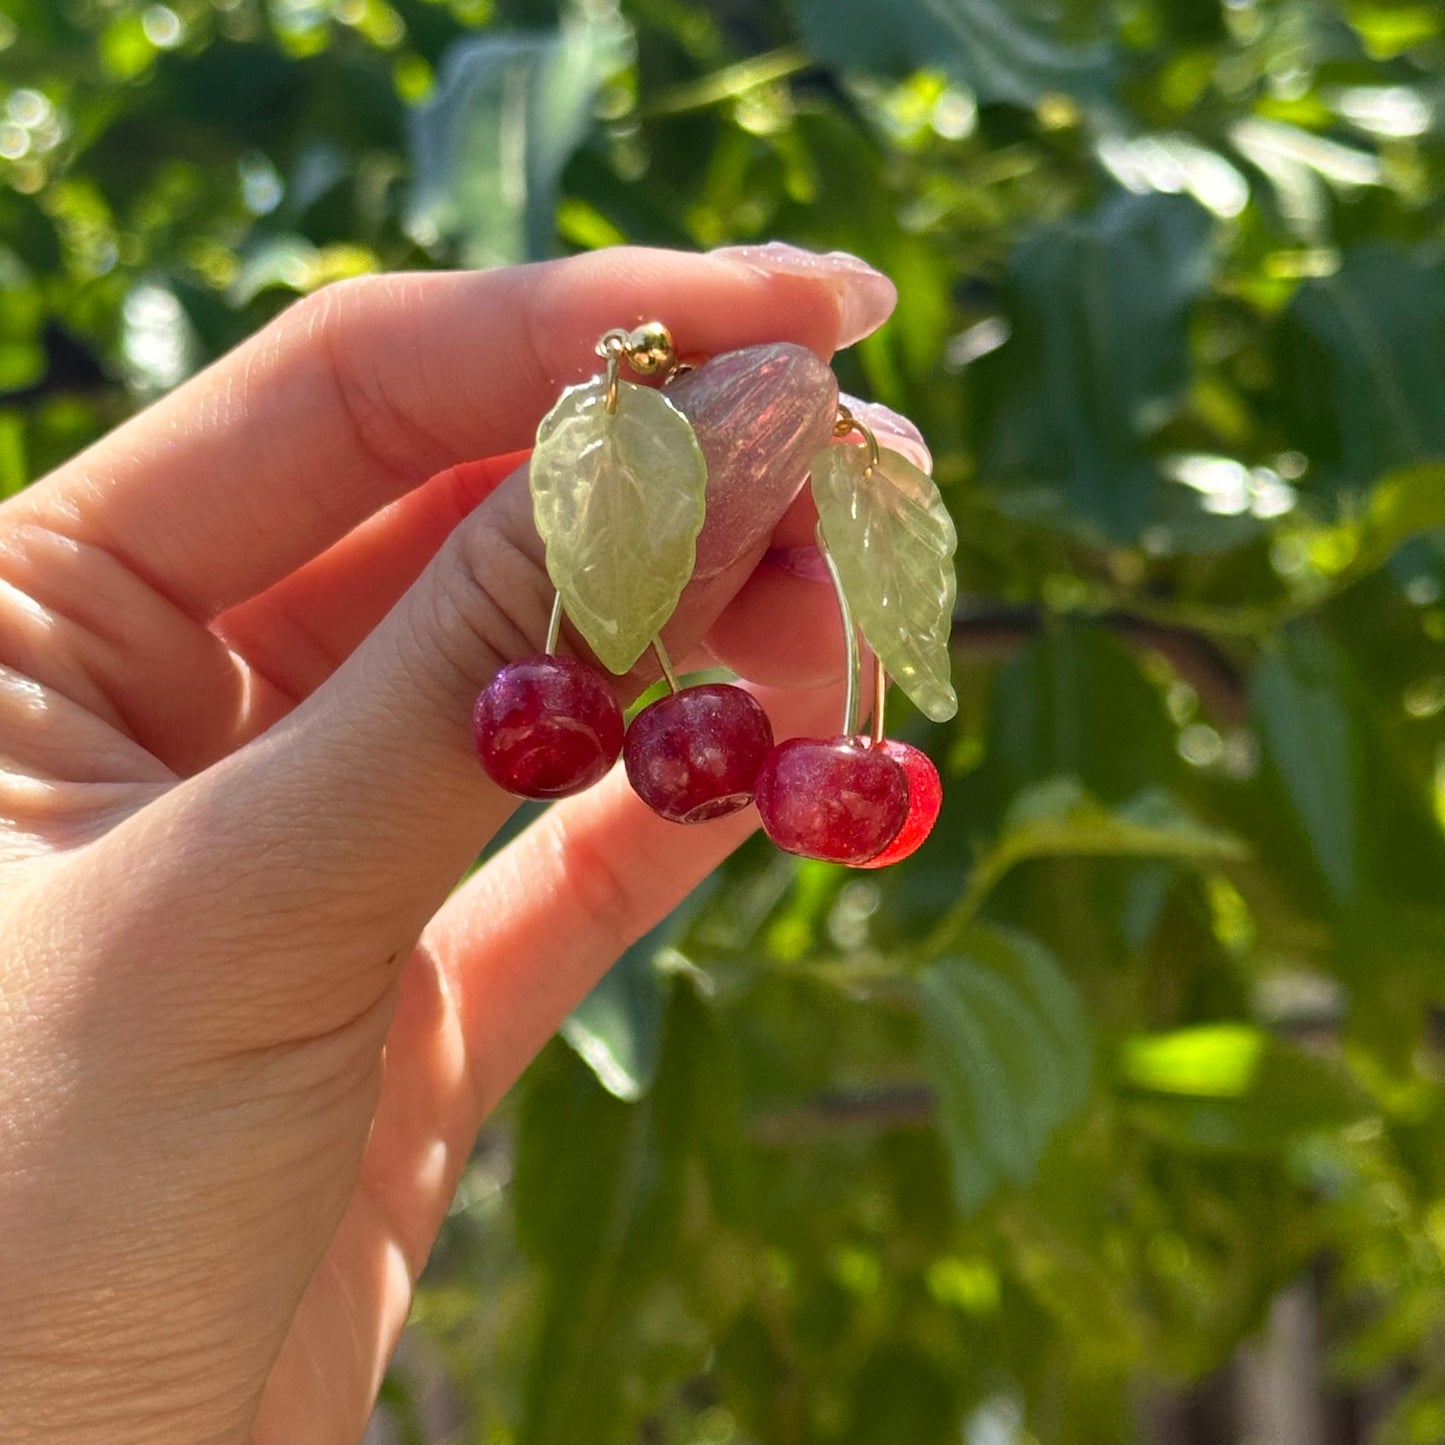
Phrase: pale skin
(249, 1025)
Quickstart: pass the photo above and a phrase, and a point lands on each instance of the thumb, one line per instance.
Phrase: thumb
(322, 848)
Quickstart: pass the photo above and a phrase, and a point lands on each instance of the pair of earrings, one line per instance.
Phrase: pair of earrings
(618, 489)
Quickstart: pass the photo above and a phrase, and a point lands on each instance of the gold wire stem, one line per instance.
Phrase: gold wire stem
(648, 349)
(612, 347)
(609, 402)
(880, 694)
(848, 423)
(665, 663)
(554, 626)
(850, 639)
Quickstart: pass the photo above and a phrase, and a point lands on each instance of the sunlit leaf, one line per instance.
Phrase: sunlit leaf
(1234, 1088)
(1057, 817)
(619, 500)
(1213, 1060)
(489, 147)
(893, 542)
(1401, 505)
(617, 1029)
(988, 44)
(22, 363)
(1301, 167)
(13, 466)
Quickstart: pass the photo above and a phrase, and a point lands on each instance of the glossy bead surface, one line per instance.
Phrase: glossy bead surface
(925, 798)
(547, 726)
(832, 798)
(695, 755)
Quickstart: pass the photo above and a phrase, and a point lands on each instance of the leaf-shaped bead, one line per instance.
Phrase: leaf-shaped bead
(893, 542)
(619, 498)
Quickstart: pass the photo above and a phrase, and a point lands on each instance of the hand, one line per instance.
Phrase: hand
(248, 1036)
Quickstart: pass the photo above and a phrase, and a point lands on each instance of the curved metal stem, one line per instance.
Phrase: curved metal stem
(850, 639)
(880, 693)
(665, 663)
(609, 402)
(554, 627)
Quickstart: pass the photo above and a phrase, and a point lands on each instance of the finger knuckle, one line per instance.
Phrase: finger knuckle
(359, 333)
(487, 606)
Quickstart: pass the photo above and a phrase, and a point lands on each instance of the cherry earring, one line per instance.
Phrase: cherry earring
(888, 543)
(925, 788)
(695, 754)
(618, 486)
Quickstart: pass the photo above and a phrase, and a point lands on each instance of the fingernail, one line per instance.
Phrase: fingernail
(760, 415)
(892, 429)
(866, 297)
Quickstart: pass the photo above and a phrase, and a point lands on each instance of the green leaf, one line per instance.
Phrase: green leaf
(14, 472)
(619, 499)
(893, 542)
(594, 1205)
(1097, 363)
(489, 148)
(22, 316)
(1332, 749)
(1034, 974)
(1059, 708)
(1310, 738)
(969, 1082)
(901, 1395)
(987, 44)
(613, 1204)
(1007, 1049)
(125, 50)
(1401, 505)
(1233, 1088)
(617, 1029)
(22, 364)
(1362, 367)
(1057, 818)
(1216, 1061)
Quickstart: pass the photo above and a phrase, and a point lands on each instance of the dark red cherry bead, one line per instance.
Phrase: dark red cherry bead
(547, 726)
(833, 798)
(925, 798)
(695, 754)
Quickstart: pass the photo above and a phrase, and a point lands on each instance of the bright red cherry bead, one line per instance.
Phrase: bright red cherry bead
(547, 726)
(833, 798)
(695, 754)
(925, 798)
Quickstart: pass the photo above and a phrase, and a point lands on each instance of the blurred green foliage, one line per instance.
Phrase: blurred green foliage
(1040, 1121)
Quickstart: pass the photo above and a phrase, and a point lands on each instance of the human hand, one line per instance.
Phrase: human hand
(248, 1037)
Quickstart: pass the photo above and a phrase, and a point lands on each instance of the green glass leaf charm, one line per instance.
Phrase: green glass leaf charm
(893, 542)
(619, 499)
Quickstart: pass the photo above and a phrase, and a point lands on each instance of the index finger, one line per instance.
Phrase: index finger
(364, 390)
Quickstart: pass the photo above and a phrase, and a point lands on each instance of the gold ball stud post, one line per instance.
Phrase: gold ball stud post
(650, 349)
